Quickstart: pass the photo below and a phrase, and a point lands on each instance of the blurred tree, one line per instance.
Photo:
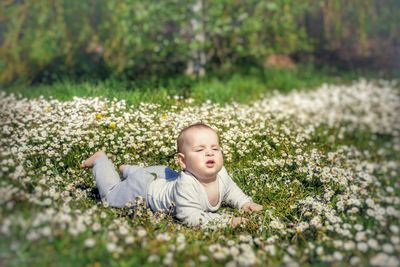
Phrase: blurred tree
(48, 39)
(359, 31)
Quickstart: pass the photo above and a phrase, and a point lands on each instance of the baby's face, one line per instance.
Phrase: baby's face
(201, 154)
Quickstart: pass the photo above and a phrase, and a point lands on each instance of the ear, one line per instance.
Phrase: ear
(181, 160)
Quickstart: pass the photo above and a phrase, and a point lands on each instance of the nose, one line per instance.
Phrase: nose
(209, 152)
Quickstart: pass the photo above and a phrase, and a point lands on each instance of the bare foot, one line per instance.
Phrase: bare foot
(89, 162)
(121, 168)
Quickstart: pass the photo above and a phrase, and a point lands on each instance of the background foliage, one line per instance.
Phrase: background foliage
(47, 39)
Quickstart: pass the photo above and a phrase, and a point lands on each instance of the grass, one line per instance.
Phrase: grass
(277, 186)
(243, 86)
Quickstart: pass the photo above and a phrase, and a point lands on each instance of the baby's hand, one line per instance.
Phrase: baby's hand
(236, 221)
(251, 206)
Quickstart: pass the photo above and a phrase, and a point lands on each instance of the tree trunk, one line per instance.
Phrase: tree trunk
(196, 65)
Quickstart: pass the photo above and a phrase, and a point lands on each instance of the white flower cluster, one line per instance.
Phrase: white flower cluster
(324, 162)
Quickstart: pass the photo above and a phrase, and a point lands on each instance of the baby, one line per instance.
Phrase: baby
(192, 196)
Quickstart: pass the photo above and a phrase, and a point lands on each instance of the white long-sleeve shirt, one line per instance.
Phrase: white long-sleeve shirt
(186, 198)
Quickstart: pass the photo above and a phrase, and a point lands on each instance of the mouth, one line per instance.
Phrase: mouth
(210, 163)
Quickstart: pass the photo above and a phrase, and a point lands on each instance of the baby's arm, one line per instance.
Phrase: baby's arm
(235, 197)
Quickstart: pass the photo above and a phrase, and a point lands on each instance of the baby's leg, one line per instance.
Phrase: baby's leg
(158, 171)
(137, 180)
(89, 161)
(104, 174)
(135, 185)
(127, 170)
(111, 189)
(162, 172)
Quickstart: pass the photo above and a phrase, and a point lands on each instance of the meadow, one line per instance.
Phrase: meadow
(324, 163)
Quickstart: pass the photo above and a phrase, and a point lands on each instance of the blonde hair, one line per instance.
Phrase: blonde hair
(181, 138)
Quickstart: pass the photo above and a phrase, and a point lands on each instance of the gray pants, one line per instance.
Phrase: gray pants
(135, 184)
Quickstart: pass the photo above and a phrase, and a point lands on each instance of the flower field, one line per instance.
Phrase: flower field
(325, 164)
